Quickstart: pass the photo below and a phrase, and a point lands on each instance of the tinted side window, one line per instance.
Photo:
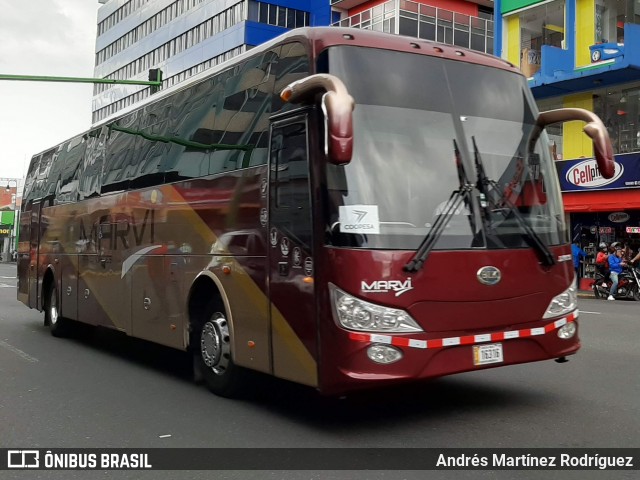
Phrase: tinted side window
(290, 180)
(152, 146)
(243, 118)
(70, 159)
(39, 177)
(190, 113)
(293, 65)
(121, 153)
(30, 179)
(91, 168)
(52, 182)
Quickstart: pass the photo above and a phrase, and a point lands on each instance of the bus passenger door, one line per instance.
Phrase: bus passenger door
(34, 249)
(291, 290)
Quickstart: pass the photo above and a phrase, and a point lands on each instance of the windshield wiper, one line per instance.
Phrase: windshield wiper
(463, 193)
(487, 186)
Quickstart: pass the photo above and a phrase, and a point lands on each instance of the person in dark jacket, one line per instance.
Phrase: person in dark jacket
(578, 254)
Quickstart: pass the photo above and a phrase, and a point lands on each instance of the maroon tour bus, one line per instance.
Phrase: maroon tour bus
(340, 208)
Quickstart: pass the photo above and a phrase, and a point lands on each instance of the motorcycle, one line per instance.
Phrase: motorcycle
(628, 285)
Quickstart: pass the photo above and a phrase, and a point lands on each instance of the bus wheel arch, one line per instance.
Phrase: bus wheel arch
(210, 339)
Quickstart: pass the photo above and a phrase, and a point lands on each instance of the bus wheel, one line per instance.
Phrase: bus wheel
(216, 366)
(57, 325)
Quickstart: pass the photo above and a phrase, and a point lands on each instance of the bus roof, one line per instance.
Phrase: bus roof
(323, 37)
(318, 39)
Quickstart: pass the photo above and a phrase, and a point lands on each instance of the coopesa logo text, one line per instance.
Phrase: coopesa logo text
(586, 174)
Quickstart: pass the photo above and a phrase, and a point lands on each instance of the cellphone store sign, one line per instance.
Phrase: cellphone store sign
(583, 174)
(586, 174)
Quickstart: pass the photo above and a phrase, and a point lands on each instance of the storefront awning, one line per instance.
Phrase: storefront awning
(601, 201)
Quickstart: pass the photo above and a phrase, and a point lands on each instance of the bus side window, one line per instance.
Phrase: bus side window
(91, 167)
(144, 170)
(70, 161)
(41, 177)
(28, 192)
(121, 150)
(191, 121)
(243, 117)
(293, 65)
(290, 172)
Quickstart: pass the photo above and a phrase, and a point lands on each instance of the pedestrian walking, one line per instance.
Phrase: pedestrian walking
(578, 254)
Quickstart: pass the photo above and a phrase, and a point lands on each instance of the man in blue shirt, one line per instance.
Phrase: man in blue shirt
(615, 265)
(578, 254)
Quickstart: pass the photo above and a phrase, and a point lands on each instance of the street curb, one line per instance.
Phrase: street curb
(585, 294)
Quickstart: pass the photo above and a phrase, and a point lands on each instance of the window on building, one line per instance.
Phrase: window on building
(619, 109)
(611, 15)
(541, 25)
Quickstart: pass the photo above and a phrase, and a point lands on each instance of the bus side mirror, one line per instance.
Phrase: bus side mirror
(594, 128)
(337, 107)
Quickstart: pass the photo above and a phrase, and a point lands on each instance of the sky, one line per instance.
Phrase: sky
(43, 37)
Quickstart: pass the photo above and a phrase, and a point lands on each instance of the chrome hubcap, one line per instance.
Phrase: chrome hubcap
(53, 309)
(215, 346)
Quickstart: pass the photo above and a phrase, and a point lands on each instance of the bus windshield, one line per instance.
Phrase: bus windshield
(424, 127)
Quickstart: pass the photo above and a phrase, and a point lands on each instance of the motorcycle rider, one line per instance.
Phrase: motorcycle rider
(602, 261)
(615, 265)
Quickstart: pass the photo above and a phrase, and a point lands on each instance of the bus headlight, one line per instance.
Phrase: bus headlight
(356, 314)
(562, 304)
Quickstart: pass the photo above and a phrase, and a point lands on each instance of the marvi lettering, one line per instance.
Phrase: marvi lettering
(385, 286)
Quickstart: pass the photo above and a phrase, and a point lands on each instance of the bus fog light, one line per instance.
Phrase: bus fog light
(567, 331)
(383, 353)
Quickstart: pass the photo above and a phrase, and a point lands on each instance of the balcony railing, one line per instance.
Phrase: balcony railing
(405, 17)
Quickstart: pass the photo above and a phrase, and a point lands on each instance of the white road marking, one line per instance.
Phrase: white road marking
(164, 436)
(5, 285)
(7, 277)
(18, 352)
(592, 313)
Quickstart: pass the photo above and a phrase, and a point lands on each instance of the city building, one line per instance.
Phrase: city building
(182, 38)
(584, 53)
(10, 190)
(185, 37)
(467, 24)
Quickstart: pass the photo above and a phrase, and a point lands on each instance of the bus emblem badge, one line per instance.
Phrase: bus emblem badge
(284, 246)
(297, 257)
(489, 275)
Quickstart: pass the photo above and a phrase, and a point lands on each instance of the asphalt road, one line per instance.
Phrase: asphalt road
(100, 389)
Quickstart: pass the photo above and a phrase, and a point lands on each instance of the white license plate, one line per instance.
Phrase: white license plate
(486, 354)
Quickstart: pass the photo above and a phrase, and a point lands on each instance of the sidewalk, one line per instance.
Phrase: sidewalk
(586, 294)
(584, 288)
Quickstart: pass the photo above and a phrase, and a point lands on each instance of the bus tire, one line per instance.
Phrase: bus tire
(214, 360)
(58, 326)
